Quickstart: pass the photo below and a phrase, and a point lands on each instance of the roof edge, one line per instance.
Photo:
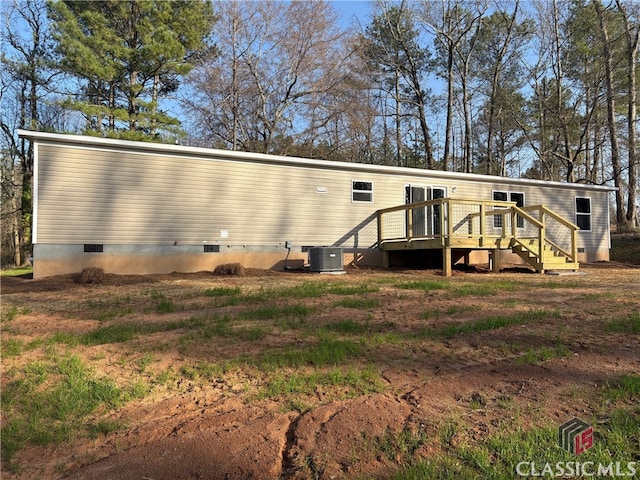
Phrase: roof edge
(165, 148)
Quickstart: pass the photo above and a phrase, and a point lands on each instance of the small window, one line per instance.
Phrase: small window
(93, 248)
(361, 191)
(519, 199)
(499, 197)
(583, 213)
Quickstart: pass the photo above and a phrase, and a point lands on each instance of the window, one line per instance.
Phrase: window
(583, 213)
(361, 191)
(516, 197)
(499, 197)
(519, 199)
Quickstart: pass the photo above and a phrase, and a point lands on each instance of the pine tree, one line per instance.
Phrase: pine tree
(127, 56)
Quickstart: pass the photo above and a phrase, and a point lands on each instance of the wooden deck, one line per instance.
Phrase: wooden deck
(541, 237)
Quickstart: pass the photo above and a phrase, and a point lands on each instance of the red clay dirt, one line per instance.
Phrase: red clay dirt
(218, 431)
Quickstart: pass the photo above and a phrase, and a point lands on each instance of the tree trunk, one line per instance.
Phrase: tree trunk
(621, 219)
(448, 126)
(495, 79)
(398, 115)
(15, 227)
(633, 39)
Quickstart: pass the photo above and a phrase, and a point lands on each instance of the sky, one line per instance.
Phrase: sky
(350, 9)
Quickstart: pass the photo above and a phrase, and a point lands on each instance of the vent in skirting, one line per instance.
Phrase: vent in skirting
(93, 248)
(211, 248)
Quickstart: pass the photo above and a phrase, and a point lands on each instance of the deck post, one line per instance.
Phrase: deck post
(385, 259)
(446, 261)
(483, 210)
(494, 258)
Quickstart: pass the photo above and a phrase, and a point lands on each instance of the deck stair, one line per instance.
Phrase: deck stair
(542, 238)
(551, 259)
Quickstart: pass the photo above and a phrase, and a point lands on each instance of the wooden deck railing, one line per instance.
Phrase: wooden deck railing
(447, 221)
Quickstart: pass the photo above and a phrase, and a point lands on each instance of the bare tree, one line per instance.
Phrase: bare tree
(455, 24)
(26, 77)
(277, 64)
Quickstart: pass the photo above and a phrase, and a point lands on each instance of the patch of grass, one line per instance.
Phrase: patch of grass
(272, 312)
(600, 297)
(165, 377)
(484, 289)
(104, 427)
(347, 289)
(65, 338)
(112, 308)
(224, 327)
(251, 334)
(117, 333)
(12, 347)
(356, 381)
(510, 303)
(16, 272)
(326, 351)
(42, 414)
(8, 313)
(349, 327)
(380, 338)
(630, 324)
(222, 292)
(559, 285)
(304, 290)
(426, 285)
(358, 303)
(489, 323)
(627, 386)
(534, 356)
(208, 371)
(144, 362)
(432, 313)
(122, 332)
(457, 309)
(163, 304)
(401, 446)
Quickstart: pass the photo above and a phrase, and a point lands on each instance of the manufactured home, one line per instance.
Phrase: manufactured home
(135, 207)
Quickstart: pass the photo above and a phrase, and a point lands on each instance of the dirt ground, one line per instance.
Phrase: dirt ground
(221, 430)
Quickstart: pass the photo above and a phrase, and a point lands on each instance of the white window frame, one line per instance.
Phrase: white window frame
(519, 219)
(356, 191)
(584, 214)
(497, 220)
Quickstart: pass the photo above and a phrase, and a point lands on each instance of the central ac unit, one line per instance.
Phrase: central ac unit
(325, 259)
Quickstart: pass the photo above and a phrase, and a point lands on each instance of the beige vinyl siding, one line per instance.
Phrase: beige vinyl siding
(112, 197)
(123, 196)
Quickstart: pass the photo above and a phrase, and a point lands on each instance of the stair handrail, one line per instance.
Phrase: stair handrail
(573, 255)
(515, 211)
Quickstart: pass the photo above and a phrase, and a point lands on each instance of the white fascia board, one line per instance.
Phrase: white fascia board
(214, 154)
